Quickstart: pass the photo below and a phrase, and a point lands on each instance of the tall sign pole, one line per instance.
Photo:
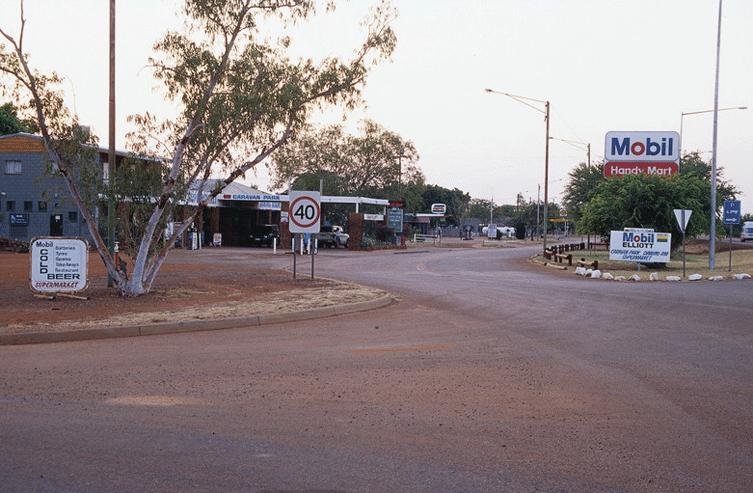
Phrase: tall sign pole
(111, 205)
(712, 228)
(546, 175)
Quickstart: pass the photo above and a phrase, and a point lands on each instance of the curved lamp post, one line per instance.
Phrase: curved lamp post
(545, 111)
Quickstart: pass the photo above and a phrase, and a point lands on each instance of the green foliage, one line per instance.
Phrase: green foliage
(456, 200)
(376, 163)
(581, 188)
(240, 98)
(136, 183)
(642, 201)
(11, 124)
(479, 208)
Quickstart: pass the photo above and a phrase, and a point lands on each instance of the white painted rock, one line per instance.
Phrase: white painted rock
(596, 274)
(716, 278)
(608, 276)
(674, 278)
(654, 276)
(695, 277)
(581, 271)
(619, 278)
(741, 276)
(635, 277)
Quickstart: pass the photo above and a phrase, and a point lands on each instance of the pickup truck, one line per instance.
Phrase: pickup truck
(332, 236)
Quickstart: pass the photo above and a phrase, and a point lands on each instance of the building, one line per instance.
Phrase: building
(33, 202)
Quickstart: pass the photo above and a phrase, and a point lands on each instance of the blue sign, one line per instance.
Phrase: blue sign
(731, 212)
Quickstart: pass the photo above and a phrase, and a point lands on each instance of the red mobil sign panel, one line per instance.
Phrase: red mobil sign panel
(618, 168)
(650, 153)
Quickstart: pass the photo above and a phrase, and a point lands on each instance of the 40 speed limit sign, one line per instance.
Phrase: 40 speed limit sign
(305, 212)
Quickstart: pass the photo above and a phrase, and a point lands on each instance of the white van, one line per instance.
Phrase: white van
(747, 233)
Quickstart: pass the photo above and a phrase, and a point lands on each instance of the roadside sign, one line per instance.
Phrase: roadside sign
(683, 217)
(649, 153)
(305, 212)
(395, 219)
(438, 208)
(640, 245)
(59, 264)
(731, 212)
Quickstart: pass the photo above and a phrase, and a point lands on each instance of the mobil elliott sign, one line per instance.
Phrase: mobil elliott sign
(640, 245)
(650, 153)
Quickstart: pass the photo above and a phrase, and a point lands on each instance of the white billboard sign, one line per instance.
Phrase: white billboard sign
(661, 147)
(59, 265)
(640, 245)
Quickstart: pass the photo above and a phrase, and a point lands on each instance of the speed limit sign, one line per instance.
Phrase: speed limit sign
(305, 212)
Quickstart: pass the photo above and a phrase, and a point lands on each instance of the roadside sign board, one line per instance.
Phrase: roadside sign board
(395, 219)
(438, 208)
(305, 212)
(731, 212)
(649, 153)
(683, 217)
(59, 264)
(640, 245)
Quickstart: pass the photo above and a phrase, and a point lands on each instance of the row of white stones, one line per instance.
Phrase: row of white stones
(654, 276)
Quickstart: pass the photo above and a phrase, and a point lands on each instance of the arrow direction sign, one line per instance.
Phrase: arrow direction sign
(731, 212)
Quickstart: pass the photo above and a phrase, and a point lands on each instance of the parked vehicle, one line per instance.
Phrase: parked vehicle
(747, 233)
(264, 234)
(332, 236)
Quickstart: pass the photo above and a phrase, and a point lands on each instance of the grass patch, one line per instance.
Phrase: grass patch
(696, 262)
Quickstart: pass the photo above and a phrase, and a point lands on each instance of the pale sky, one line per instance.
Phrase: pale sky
(604, 65)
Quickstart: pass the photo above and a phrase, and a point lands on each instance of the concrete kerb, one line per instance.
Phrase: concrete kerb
(193, 325)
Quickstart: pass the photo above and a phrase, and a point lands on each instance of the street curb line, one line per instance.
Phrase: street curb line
(192, 325)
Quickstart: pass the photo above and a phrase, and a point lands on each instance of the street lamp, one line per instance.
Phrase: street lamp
(712, 226)
(545, 111)
(684, 114)
(575, 144)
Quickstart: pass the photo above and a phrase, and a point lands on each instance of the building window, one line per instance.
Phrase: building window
(12, 167)
(10, 205)
(28, 206)
(73, 216)
(42, 206)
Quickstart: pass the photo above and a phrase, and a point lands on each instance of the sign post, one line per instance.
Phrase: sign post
(305, 216)
(683, 216)
(731, 216)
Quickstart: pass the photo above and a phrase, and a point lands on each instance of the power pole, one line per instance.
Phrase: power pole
(111, 205)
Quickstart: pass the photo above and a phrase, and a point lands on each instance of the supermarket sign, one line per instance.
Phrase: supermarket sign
(649, 153)
(59, 264)
(640, 245)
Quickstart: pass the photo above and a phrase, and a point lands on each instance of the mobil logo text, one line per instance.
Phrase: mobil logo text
(642, 146)
(631, 239)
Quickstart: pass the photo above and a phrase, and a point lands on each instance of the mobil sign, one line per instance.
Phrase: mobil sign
(650, 153)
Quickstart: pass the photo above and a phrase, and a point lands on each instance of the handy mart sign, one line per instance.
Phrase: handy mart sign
(650, 153)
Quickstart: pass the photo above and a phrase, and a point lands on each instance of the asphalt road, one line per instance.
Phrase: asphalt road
(485, 375)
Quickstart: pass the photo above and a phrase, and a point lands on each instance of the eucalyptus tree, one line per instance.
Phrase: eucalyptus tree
(240, 98)
(377, 162)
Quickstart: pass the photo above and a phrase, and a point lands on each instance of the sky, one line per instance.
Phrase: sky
(604, 65)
